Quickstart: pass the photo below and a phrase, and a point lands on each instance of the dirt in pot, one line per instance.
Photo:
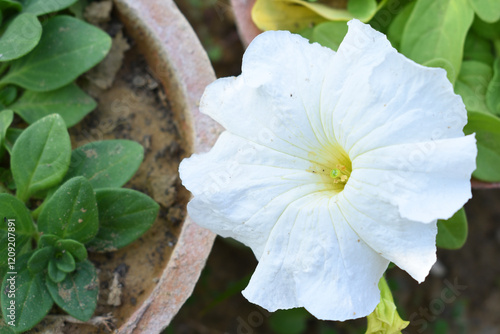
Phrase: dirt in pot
(131, 105)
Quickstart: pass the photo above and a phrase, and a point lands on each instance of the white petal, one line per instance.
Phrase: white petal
(314, 259)
(378, 97)
(240, 188)
(426, 181)
(410, 245)
(275, 101)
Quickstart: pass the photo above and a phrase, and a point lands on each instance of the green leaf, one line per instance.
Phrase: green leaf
(41, 156)
(493, 91)
(40, 7)
(66, 262)
(4, 328)
(385, 318)
(55, 275)
(362, 9)
(70, 102)
(124, 215)
(47, 240)
(11, 138)
(21, 36)
(6, 178)
(452, 233)
(74, 247)
(6, 118)
(15, 219)
(77, 294)
(487, 129)
(106, 164)
(478, 48)
(397, 26)
(40, 259)
(71, 213)
(329, 34)
(487, 10)
(485, 29)
(472, 84)
(9, 5)
(285, 15)
(69, 45)
(32, 299)
(293, 321)
(8, 95)
(435, 33)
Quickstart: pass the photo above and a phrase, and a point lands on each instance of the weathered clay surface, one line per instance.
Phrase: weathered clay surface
(178, 60)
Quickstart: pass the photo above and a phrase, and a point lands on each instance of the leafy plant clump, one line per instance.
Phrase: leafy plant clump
(41, 55)
(81, 207)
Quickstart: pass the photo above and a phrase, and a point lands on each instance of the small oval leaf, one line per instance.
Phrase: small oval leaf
(124, 215)
(21, 36)
(66, 263)
(69, 45)
(106, 164)
(40, 156)
(32, 299)
(40, 259)
(54, 274)
(71, 213)
(77, 294)
(40, 7)
(76, 249)
(70, 102)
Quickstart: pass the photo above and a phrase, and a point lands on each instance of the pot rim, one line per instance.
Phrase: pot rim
(178, 60)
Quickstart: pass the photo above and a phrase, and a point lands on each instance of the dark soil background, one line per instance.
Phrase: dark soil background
(461, 295)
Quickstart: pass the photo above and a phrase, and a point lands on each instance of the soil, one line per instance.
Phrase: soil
(131, 105)
(461, 295)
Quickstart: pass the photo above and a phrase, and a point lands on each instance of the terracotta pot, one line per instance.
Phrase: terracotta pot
(243, 16)
(180, 63)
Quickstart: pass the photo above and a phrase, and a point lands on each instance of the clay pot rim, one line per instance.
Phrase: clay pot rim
(178, 60)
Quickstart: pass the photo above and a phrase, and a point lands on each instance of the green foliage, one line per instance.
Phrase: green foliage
(77, 293)
(452, 233)
(40, 58)
(74, 211)
(124, 216)
(21, 36)
(487, 129)
(12, 208)
(329, 34)
(32, 300)
(293, 321)
(68, 44)
(40, 7)
(71, 213)
(40, 156)
(493, 90)
(435, 33)
(472, 84)
(106, 164)
(487, 10)
(6, 118)
(7, 95)
(385, 318)
(70, 102)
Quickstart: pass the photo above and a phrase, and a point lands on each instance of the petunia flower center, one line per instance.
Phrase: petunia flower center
(340, 174)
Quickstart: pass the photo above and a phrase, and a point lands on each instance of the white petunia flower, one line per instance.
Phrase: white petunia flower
(332, 165)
